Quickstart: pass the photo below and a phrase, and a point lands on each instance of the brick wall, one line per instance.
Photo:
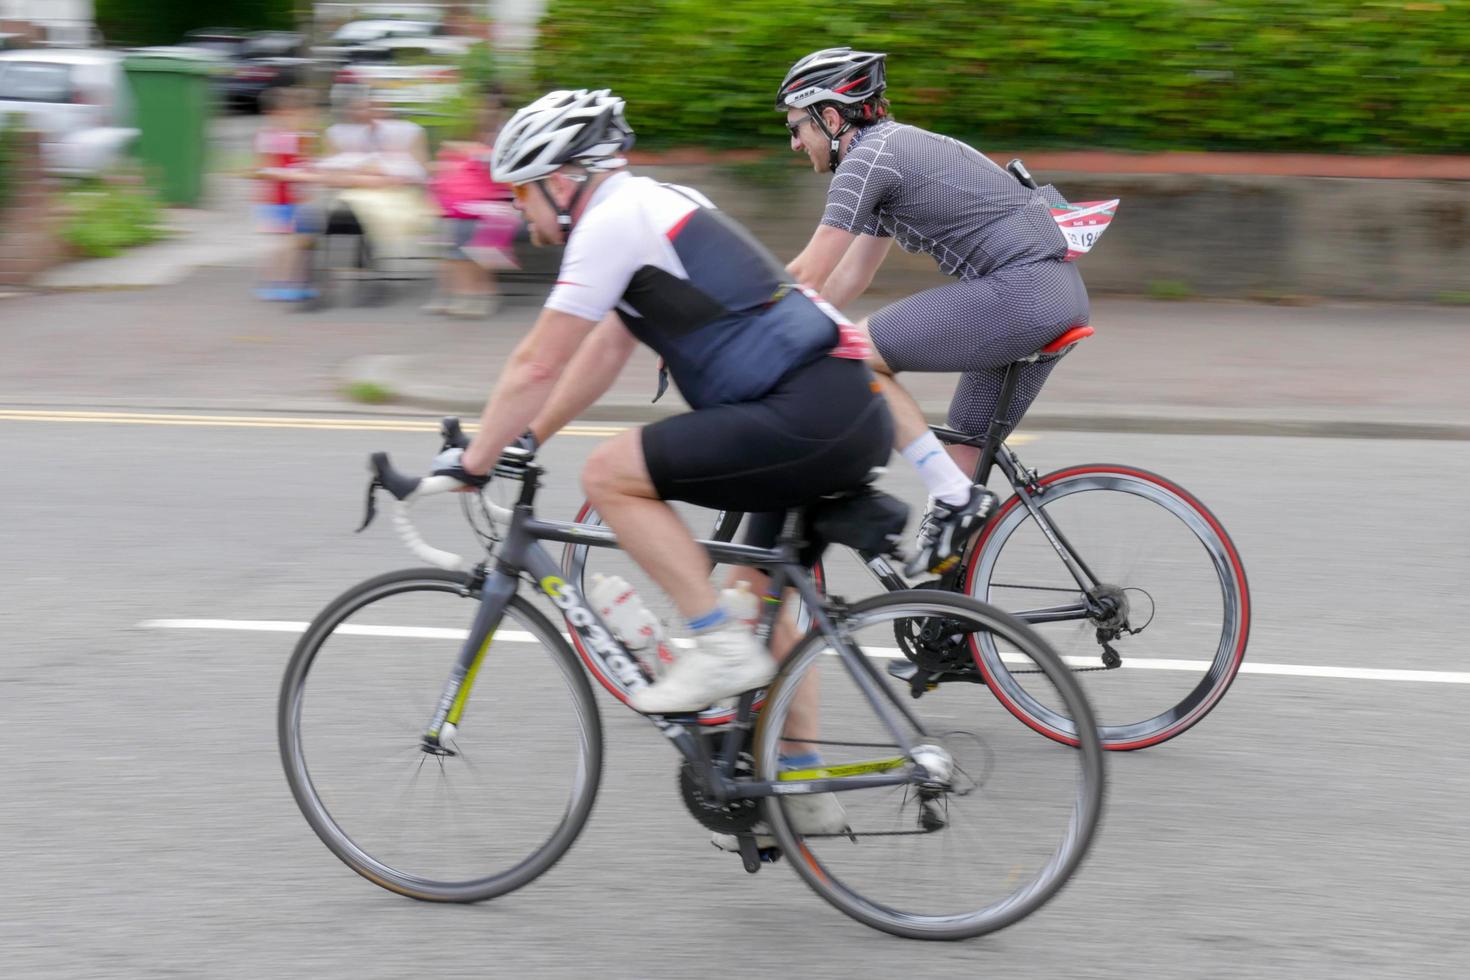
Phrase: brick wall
(29, 243)
(1246, 234)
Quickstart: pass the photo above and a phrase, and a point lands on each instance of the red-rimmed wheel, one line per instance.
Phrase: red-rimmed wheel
(1159, 631)
(581, 562)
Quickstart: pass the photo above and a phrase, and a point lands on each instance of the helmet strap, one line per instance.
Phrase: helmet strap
(564, 214)
(834, 140)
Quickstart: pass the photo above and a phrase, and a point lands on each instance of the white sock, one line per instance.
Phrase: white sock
(945, 480)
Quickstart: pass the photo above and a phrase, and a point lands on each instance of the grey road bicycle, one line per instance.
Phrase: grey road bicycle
(442, 738)
(1124, 572)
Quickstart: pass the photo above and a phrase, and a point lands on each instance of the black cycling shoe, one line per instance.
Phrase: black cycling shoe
(947, 529)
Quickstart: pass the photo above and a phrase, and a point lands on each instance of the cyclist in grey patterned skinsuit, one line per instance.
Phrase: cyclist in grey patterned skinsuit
(1015, 292)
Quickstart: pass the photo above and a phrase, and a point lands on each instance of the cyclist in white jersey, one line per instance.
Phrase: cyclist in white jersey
(1015, 291)
(785, 408)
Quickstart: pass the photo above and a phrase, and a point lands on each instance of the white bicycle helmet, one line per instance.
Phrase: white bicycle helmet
(580, 127)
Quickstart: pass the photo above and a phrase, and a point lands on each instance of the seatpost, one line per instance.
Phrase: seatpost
(996, 434)
(789, 543)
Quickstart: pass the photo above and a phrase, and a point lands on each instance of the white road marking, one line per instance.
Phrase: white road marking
(890, 653)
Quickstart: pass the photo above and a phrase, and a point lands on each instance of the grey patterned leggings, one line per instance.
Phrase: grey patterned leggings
(979, 326)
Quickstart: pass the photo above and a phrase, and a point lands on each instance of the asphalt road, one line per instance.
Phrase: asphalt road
(1310, 827)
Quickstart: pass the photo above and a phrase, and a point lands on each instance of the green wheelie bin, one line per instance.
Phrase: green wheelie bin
(174, 101)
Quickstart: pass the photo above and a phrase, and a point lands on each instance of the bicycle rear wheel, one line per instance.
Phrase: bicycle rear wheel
(993, 837)
(487, 817)
(1172, 584)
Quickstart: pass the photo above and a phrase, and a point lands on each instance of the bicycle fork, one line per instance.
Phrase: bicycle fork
(497, 590)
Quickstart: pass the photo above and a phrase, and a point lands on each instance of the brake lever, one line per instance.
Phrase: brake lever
(372, 505)
(453, 434)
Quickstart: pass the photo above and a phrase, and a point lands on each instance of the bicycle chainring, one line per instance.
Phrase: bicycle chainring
(935, 644)
(730, 817)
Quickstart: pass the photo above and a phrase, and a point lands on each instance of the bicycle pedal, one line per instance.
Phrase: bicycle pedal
(904, 670)
(750, 855)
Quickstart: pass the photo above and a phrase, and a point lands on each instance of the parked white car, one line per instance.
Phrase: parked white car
(336, 50)
(78, 100)
(403, 73)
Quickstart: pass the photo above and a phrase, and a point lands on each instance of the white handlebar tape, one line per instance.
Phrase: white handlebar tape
(403, 522)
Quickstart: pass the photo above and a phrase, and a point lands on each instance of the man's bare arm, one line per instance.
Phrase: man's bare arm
(855, 272)
(591, 372)
(822, 254)
(525, 384)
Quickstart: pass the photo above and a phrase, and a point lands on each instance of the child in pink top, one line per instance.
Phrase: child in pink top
(479, 226)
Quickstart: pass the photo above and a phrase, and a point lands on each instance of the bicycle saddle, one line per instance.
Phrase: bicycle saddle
(862, 518)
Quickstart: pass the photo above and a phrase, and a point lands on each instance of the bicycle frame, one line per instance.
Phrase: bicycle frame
(522, 552)
(1023, 482)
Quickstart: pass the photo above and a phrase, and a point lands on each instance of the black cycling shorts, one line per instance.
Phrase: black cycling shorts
(820, 430)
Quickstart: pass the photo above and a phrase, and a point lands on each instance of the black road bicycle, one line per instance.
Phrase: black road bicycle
(1124, 572)
(442, 739)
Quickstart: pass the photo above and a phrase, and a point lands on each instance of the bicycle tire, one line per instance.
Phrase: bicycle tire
(1074, 814)
(1165, 714)
(589, 742)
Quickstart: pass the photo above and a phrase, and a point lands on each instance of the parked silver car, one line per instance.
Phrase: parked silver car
(77, 99)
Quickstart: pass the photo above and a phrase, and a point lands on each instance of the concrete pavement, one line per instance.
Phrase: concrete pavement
(1204, 367)
(1239, 368)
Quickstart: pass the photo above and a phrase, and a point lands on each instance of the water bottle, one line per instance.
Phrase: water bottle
(633, 623)
(741, 603)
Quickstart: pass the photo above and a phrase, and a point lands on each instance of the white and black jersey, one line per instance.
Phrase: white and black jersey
(694, 286)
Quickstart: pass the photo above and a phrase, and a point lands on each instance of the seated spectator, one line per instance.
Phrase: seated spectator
(379, 166)
(477, 219)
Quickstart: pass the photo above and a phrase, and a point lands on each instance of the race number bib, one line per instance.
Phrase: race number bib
(852, 343)
(1084, 223)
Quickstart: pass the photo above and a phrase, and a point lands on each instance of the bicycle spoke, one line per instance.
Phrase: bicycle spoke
(941, 858)
(1169, 590)
(439, 827)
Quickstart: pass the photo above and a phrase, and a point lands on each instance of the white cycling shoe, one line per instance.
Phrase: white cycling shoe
(721, 663)
(816, 813)
(946, 529)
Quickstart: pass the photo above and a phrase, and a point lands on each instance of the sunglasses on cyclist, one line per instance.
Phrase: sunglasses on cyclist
(794, 126)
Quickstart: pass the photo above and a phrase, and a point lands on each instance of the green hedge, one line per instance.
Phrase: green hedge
(105, 216)
(1266, 75)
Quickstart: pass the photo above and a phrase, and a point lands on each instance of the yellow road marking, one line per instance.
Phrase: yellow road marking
(261, 421)
(593, 431)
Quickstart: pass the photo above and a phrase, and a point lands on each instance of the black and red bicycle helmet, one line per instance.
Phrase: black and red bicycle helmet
(832, 75)
(841, 76)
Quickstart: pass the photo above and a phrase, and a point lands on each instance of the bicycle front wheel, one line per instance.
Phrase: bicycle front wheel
(1168, 596)
(518, 779)
(1001, 819)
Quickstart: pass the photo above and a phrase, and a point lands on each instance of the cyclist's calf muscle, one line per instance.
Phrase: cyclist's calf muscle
(805, 719)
